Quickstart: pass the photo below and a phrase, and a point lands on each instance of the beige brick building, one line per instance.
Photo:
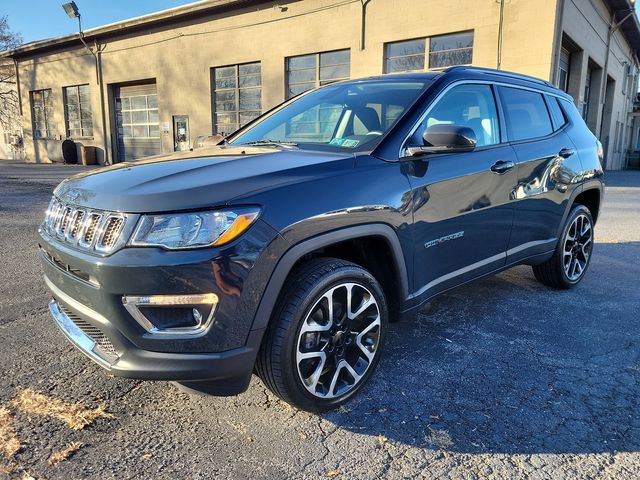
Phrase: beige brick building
(154, 83)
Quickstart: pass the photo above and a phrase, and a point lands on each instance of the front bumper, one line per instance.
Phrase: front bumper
(146, 365)
(87, 306)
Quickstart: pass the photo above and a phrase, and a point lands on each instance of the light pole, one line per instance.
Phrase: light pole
(72, 11)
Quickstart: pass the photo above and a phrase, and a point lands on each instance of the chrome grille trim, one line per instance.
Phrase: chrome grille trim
(96, 231)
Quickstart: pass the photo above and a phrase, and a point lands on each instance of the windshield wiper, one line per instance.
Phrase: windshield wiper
(266, 143)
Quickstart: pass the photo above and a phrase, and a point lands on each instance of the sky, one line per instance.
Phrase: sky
(39, 19)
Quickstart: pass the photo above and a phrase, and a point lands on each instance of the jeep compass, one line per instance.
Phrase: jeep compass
(287, 249)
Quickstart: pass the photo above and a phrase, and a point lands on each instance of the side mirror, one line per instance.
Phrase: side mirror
(445, 138)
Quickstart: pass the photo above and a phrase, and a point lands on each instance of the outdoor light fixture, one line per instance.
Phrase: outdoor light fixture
(71, 9)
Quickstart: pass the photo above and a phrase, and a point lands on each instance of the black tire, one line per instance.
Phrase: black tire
(304, 290)
(553, 272)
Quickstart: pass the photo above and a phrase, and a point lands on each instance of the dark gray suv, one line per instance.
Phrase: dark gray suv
(287, 249)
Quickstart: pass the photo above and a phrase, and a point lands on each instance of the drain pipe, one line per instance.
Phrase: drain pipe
(500, 28)
(363, 24)
(103, 113)
(96, 52)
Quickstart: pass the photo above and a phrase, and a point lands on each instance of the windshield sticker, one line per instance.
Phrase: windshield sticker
(344, 142)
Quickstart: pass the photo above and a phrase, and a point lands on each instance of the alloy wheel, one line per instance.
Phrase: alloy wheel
(338, 340)
(578, 243)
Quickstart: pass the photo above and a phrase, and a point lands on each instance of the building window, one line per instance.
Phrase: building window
(77, 111)
(563, 70)
(404, 56)
(306, 72)
(586, 93)
(137, 116)
(42, 113)
(449, 50)
(237, 96)
(444, 51)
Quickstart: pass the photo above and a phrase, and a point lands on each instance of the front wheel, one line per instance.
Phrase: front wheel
(325, 338)
(573, 253)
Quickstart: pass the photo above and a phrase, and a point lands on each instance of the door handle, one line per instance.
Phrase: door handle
(501, 166)
(566, 152)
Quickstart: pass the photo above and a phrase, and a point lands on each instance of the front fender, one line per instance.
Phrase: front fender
(300, 249)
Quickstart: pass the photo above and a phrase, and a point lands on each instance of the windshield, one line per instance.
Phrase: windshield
(347, 116)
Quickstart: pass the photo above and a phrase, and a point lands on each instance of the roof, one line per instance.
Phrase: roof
(190, 11)
(630, 28)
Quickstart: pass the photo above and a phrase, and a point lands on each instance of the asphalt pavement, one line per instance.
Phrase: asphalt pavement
(501, 378)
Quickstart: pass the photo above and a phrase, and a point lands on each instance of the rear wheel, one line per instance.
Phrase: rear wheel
(573, 253)
(326, 335)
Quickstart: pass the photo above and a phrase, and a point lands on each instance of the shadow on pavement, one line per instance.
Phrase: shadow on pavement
(506, 365)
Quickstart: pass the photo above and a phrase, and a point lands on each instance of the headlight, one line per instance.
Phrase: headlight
(191, 230)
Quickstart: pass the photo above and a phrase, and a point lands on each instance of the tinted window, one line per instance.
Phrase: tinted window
(344, 117)
(527, 114)
(556, 112)
(470, 106)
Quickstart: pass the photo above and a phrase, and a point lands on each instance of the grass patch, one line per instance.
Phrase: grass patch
(9, 443)
(75, 415)
(66, 452)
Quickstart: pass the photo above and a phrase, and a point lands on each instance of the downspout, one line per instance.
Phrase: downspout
(363, 25)
(21, 123)
(500, 28)
(557, 43)
(15, 66)
(97, 56)
(103, 112)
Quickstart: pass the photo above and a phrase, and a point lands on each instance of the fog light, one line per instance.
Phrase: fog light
(177, 315)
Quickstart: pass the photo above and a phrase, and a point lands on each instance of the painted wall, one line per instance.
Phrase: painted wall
(179, 59)
(586, 22)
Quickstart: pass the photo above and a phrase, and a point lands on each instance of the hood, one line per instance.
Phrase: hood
(202, 178)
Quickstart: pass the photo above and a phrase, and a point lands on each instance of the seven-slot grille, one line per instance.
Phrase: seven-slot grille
(94, 230)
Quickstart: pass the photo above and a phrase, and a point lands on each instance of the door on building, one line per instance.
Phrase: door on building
(181, 134)
(137, 121)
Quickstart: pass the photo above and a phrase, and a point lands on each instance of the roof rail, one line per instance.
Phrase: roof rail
(500, 73)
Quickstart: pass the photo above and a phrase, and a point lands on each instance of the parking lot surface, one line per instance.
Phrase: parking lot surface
(502, 378)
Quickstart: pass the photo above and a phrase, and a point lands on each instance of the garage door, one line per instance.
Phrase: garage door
(137, 121)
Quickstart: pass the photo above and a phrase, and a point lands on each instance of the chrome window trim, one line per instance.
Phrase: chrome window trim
(412, 130)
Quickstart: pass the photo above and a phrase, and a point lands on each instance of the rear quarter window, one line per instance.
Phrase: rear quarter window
(526, 114)
(559, 119)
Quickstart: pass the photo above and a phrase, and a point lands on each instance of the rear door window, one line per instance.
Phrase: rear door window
(526, 114)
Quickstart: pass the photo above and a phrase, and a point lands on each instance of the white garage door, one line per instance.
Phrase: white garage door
(137, 121)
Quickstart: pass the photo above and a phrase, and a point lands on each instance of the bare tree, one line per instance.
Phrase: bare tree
(8, 91)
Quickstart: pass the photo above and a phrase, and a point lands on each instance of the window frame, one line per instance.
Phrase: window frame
(318, 67)
(237, 112)
(504, 134)
(427, 52)
(80, 110)
(47, 112)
